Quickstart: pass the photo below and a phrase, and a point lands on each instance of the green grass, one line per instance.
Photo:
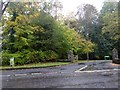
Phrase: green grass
(48, 64)
(79, 61)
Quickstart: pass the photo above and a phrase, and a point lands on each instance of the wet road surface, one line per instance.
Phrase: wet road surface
(66, 76)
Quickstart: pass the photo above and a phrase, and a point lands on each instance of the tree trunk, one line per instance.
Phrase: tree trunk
(87, 56)
(1, 5)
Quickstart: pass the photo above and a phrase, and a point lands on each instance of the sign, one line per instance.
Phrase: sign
(107, 57)
(12, 61)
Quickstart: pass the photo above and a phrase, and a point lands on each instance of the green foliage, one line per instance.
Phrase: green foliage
(20, 35)
(66, 39)
(50, 55)
(5, 58)
(44, 25)
(106, 31)
(37, 37)
(40, 56)
(108, 7)
(111, 25)
(35, 57)
(18, 57)
(24, 8)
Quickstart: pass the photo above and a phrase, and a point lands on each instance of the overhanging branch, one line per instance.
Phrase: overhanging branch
(3, 10)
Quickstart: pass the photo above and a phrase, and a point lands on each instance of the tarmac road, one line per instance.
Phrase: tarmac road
(105, 76)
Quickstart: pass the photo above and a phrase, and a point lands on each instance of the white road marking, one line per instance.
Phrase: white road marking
(81, 69)
(107, 70)
(116, 69)
(29, 74)
(52, 72)
(36, 73)
(20, 74)
(4, 75)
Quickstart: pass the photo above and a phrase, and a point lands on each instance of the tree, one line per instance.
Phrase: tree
(102, 33)
(51, 7)
(33, 36)
(72, 22)
(111, 25)
(87, 15)
(110, 28)
(109, 7)
(3, 6)
(66, 39)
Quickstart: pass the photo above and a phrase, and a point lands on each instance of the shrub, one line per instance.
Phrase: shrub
(18, 58)
(51, 55)
(27, 57)
(6, 58)
(35, 57)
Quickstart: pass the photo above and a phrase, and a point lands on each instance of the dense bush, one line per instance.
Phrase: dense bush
(34, 57)
(6, 58)
(40, 38)
(51, 55)
(27, 57)
(18, 58)
(40, 56)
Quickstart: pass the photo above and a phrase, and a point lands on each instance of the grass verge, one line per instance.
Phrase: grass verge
(41, 65)
(83, 61)
(37, 65)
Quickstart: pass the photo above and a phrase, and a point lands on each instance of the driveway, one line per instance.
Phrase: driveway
(103, 75)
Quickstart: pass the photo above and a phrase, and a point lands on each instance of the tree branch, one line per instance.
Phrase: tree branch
(5, 8)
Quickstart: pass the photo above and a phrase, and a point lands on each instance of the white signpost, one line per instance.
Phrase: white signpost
(12, 61)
